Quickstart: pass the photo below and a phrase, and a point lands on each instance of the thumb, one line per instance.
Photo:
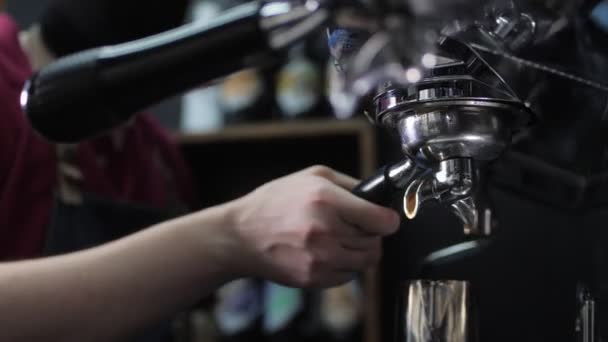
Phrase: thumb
(342, 180)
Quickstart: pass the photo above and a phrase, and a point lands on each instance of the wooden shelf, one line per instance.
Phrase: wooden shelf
(291, 129)
(276, 129)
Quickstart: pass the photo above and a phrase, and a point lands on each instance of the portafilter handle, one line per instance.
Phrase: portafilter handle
(89, 93)
(388, 179)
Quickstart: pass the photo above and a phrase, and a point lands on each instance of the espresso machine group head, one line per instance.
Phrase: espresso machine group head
(458, 82)
(457, 118)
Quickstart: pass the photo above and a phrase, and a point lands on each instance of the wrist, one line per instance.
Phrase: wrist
(214, 230)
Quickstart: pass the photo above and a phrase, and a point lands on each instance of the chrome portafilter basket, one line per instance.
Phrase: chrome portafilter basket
(455, 138)
(456, 119)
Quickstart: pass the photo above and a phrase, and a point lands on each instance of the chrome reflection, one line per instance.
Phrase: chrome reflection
(437, 311)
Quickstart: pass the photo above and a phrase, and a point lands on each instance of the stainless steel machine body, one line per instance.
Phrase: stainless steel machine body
(438, 311)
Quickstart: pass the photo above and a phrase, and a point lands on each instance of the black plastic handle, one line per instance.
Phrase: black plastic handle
(376, 188)
(88, 93)
(380, 187)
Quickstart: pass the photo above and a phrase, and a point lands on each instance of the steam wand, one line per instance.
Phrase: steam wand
(86, 94)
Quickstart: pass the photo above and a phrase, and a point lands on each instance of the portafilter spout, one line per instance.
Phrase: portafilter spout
(457, 185)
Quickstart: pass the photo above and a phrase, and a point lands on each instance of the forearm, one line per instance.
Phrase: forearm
(298, 231)
(110, 291)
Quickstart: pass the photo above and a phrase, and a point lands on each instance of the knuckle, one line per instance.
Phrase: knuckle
(312, 232)
(321, 170)
(319, 262)
(320, 194)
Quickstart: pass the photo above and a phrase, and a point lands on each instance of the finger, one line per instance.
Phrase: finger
(354, 238)
(338, 178)
(350, 230)
(336, 265)
(360, 244)
(349, 236)
(328, 277)
(348, 260)
(362, 215)
(331, 254)
(329, 269)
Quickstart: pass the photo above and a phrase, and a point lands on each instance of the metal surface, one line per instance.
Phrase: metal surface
(476, 215)
(287, 21)
(476, 211)
(402, 173)
(456, 185)
(586, 329)
(449, 131)
(437, 311)
(460, 113)
(461, 108)
(588, 318)
(451, 182)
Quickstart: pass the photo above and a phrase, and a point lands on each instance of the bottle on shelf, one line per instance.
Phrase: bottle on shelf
(341, 312)
(246, 96)
(290, 314)
(201, 111)
(300, 84)
(238, 311)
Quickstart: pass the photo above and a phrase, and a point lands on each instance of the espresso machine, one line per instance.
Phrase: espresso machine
(496, 110)
(500, 116)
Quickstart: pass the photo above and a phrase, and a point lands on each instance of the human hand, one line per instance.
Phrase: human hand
(308, 230)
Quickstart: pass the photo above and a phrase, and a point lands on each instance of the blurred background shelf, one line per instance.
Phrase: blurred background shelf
(284, 129)
(274, 130)
(233, 160)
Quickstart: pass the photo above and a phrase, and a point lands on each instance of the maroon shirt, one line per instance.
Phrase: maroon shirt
(136, 172)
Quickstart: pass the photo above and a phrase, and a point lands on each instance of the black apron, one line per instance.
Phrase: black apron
(81, 220)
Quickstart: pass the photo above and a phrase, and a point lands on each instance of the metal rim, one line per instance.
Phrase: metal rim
(518, 115)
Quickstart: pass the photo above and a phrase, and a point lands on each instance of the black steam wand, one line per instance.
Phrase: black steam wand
(89, 93)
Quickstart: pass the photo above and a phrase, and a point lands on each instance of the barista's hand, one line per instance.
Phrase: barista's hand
(304, 230)
(308, 230)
